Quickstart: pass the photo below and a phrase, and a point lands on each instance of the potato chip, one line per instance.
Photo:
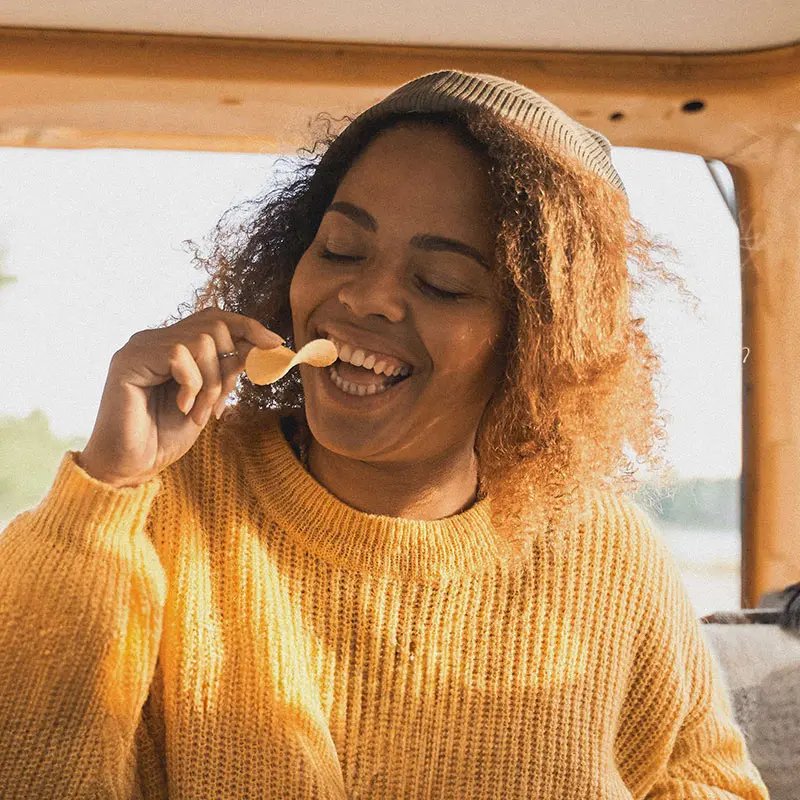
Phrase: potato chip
(267, 366)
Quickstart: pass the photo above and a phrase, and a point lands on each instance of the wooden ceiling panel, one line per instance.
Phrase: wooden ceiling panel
(680, 26)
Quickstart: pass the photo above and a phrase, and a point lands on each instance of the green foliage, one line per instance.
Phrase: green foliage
(29, 451)
(698, 503)
(5, 279)
(29, 457)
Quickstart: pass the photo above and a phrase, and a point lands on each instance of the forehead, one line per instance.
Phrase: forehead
(422, 168)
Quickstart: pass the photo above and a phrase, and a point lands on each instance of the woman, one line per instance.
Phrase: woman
(413, 574)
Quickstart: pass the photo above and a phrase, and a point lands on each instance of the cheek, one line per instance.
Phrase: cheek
(467, 353)
(298, 288)
(306, 291)
(312, 283)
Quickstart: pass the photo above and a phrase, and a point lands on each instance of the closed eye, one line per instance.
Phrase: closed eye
(441, 293)
(427, 287)
(331, 256)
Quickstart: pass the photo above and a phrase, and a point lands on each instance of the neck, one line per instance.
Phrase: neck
(425, 490)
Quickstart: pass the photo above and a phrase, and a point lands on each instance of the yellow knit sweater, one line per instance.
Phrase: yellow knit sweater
(232, 630)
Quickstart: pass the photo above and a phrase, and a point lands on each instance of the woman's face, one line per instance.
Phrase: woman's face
(390, 295)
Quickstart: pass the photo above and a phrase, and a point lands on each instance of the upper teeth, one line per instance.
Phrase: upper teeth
(377, 362)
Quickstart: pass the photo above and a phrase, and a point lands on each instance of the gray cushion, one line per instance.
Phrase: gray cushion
(761, 665)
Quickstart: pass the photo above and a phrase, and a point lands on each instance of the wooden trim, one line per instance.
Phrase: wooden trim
(767, 182)
(79, 89)
(90, 89)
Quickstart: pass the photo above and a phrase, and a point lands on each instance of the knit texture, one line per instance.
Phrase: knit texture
(455, 90)
(230, 629)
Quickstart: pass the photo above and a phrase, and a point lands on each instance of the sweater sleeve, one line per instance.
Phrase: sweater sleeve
(709, 759)
(82, 593)
(680, 719)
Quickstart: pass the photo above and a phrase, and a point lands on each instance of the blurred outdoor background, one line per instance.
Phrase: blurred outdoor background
(92, 249)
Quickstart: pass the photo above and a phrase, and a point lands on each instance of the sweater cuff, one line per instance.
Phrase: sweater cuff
(87, 511)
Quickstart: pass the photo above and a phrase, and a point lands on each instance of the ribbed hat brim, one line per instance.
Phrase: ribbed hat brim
(452, 90)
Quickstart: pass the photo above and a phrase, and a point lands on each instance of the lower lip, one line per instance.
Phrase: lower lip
(357, 400)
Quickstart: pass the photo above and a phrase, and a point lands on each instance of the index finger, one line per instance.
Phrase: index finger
(251, 330)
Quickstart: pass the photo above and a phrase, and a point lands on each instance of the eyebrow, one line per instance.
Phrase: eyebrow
(424, 241)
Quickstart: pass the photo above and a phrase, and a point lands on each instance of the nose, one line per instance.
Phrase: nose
(374, 290)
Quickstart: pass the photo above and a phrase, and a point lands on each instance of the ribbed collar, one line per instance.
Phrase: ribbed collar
(451, 547)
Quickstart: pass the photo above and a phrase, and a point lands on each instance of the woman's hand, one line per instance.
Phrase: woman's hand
(162, 386)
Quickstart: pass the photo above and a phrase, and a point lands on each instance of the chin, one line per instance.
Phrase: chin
(345, 437)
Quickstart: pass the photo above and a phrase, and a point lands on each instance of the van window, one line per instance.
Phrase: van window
(92, 250)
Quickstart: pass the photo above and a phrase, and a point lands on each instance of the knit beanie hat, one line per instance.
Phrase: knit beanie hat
(452, 89)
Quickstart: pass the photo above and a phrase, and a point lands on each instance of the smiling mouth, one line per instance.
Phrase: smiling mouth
(321, 333)
(359, 388)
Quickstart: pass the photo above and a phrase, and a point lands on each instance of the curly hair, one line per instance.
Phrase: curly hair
(580, 371)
